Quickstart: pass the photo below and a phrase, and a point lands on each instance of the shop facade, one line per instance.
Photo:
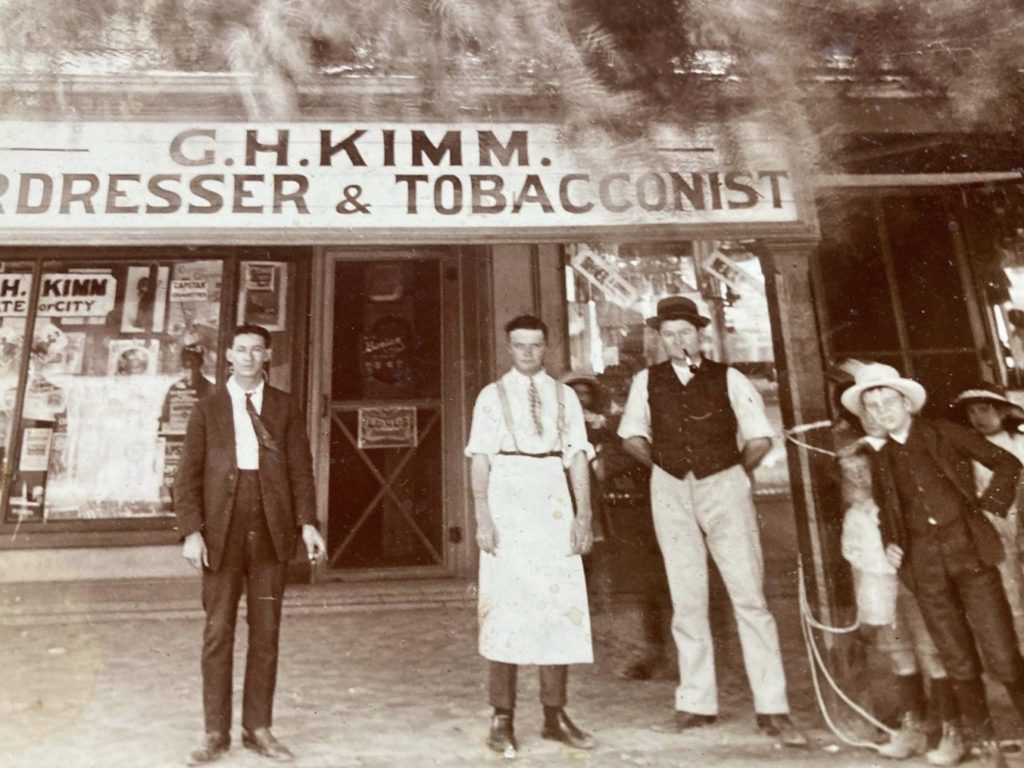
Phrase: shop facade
(385, 257)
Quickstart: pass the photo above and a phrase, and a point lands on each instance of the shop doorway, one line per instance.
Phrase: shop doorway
(387, 367)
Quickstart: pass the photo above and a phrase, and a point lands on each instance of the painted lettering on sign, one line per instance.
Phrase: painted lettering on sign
(60, 295)
(393, 176)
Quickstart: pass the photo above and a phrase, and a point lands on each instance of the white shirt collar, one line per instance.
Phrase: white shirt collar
(521, 377)
(901, 436)
(684, 366)
(236, 389)
(874, 441)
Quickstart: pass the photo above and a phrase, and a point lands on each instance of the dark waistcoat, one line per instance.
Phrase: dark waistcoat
(693, 426)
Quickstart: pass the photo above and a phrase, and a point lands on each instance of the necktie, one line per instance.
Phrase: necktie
(538, 428)
(262, 433)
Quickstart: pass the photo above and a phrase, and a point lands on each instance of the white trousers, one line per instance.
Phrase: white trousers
(716, 514)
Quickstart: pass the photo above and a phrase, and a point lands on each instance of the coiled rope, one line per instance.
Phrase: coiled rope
(809, 624)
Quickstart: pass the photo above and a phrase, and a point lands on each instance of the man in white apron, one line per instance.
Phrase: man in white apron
(527, 430)
(701, 427)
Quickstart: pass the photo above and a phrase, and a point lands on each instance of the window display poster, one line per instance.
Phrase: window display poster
(732, 274)
(601, 271)
(69, 359)
(145, 300)
(181, 398)
(44, 400)
(133, 357)
(35, 449)
(171, 450)
(263, 293)
(110, 463)
(189, 290)
(70, 295)
(193, 312)
(12, 333)
(390, 427)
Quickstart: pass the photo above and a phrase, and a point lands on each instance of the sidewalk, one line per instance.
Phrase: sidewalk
(106, 675)
(383, 688)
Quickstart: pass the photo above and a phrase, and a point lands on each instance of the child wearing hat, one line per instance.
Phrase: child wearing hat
(885, 602)
(937, 533)
(997, 418)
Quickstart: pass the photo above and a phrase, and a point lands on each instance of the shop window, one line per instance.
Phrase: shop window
(611, 290)
(15, 293)
(925, 266)
(995, 221)
(267, 297)
(861, 321)
(120, 352)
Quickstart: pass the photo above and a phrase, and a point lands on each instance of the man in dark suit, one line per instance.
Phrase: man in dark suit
(935, 530)
(242, 496)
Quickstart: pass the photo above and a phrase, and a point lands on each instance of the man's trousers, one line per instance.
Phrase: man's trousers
(503, 677)
(964, 605)
(249, 562)
(716, 514)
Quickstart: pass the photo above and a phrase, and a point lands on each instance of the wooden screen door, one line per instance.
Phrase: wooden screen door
(387, 372)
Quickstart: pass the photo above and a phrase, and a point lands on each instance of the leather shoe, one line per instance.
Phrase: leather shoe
(781, 727)
(215, 745)
(684, 721)
(564, 730)
(262, 742)
(502, 738)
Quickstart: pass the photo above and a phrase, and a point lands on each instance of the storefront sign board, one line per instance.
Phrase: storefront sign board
(360, 177)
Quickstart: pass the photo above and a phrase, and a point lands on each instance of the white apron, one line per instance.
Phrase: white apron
(533, 596)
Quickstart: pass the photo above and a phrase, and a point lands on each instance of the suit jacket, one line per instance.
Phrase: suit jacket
(204, 487)
(953, 448)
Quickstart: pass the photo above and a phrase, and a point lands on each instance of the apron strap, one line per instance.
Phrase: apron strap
(507, 413)
(560, 423)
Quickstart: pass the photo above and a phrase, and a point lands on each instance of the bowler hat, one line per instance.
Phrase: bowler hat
(677, 308)
(874, 375)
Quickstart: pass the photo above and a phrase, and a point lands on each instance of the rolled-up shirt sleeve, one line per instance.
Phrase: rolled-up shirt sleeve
(751, 419)
(486, 431)
(636, 417)
(575, 429)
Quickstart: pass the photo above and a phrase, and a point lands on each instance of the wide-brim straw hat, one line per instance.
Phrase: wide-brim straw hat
(873, 375)
(987, 392)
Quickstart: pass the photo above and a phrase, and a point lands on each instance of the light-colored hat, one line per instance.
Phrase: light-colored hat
(986, 392)
(872, 375)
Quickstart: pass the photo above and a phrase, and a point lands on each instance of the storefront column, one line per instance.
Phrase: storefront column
(528, 279)
(802, 392)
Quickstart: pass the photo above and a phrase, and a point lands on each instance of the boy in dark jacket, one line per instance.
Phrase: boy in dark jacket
(935, 531)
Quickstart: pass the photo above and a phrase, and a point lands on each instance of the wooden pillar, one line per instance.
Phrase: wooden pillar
(802, 395)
